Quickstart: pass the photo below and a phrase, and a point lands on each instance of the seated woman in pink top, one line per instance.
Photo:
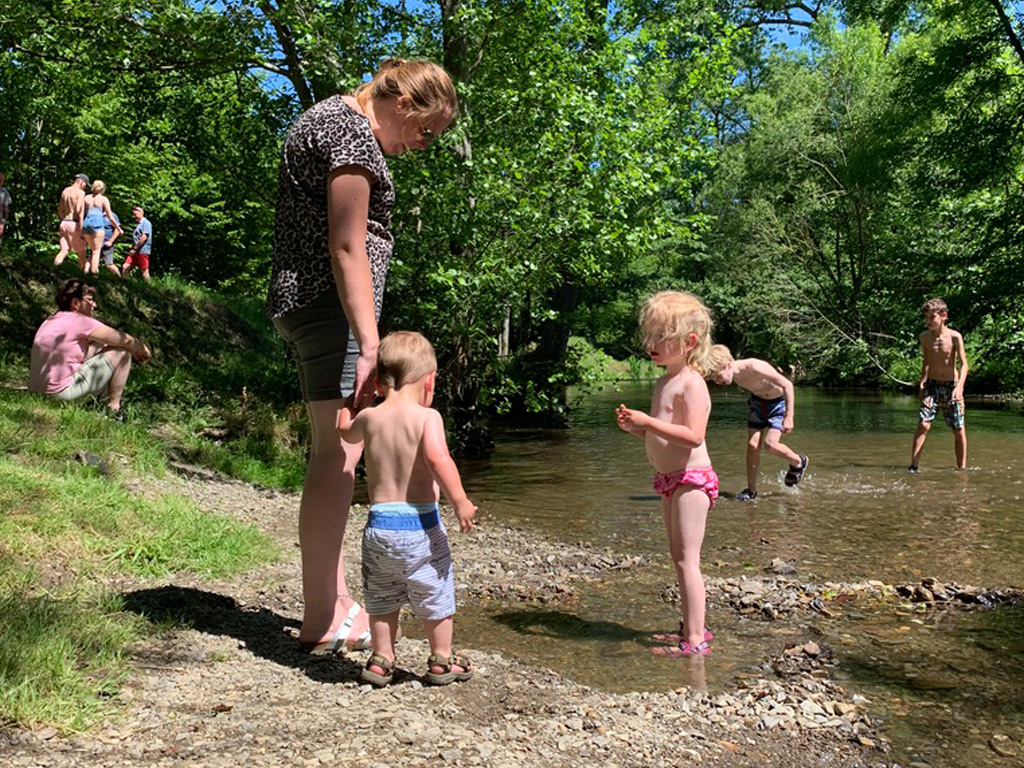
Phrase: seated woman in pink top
(74, 355)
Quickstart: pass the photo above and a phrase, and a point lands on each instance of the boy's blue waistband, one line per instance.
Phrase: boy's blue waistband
(404, 516)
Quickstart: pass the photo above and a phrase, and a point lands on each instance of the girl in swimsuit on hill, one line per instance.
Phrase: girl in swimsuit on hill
(676, 330)
(96, 207)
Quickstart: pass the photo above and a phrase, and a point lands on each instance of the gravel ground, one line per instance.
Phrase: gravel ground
(234, 690)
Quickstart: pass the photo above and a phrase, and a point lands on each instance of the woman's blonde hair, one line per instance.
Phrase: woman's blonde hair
(428, 86)
(674, 315)
(404, 357)
(98, 187)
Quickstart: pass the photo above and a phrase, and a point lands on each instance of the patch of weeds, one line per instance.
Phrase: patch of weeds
(61, 657)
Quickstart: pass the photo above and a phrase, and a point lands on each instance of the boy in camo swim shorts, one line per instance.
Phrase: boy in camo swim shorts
(942, 382)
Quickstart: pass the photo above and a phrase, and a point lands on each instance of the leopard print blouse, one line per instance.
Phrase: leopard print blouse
(325, 137)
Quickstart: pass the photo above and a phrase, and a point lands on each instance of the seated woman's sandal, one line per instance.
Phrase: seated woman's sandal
(448, 674)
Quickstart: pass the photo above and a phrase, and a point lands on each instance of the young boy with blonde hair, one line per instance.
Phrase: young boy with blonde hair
(942, 385)
(771, 412)
(406, 556)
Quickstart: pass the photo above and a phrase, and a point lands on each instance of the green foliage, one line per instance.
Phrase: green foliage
(605, 151)
(872, 173)
(557, 186)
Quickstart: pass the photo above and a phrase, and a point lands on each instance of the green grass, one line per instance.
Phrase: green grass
(67, 529)
(61, 657)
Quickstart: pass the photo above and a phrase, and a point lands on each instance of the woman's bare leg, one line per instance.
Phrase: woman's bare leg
(323, 515)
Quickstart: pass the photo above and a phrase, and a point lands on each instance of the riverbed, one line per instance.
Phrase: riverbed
(942, 682)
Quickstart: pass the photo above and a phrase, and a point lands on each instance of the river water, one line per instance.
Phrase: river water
(942, 683)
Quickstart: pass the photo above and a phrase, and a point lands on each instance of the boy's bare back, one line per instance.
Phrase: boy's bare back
(758, 377)
(941, 350)
(396, 435)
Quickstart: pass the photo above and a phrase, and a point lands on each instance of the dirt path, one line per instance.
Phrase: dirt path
(234, 690)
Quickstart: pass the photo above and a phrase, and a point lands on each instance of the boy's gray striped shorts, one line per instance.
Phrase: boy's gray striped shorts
(406, 559)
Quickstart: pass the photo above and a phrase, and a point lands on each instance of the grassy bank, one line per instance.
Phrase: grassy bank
(220, 389)
(70, 521)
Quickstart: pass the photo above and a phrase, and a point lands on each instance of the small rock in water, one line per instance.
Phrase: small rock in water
(1001, 745)
(923, 595)
(781, 568)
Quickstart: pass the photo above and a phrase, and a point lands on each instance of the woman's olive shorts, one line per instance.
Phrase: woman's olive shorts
(323, 346)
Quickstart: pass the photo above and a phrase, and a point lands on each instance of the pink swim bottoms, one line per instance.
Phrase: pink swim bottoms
(703, 478)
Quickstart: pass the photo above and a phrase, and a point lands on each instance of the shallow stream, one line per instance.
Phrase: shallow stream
(943, 683)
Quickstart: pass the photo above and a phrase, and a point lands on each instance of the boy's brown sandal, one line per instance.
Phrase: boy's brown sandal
(448, 674)
(367, 675)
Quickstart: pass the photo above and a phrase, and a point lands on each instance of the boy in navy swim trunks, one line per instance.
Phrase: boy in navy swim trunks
(771, 412)
(406, 557)
(942, 385)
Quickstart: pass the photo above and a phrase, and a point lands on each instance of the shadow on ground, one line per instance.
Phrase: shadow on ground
(568, 626)
(263, 632)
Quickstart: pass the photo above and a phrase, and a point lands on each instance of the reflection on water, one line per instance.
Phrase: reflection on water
(857, 515)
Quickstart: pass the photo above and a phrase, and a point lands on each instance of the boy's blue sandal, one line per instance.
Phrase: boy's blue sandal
(379, 679)
(448, 674)
(746, 495)
(795, 474)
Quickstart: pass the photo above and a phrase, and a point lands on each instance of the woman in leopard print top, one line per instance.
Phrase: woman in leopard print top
(332, 245)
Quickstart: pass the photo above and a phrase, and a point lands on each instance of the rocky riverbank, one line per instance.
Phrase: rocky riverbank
(227, 686)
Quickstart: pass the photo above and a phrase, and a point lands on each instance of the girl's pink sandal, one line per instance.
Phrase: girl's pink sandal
(682, 649)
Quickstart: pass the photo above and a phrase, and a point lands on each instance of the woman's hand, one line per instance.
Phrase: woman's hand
(366, 380)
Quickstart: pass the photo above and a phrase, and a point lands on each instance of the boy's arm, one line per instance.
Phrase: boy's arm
(350, 425)
(442, 467)
(788, 392)
(924, 367)
(961, 353)
(693, 402)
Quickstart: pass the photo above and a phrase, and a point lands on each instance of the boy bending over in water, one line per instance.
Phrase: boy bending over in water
(941, 383)
(676, 330)
(771, 412)
(406, 557)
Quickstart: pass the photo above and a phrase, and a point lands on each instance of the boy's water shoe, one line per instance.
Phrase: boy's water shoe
(795, 474)
(746, 495)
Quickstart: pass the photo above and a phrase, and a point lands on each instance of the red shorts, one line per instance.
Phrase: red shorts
(140, 260)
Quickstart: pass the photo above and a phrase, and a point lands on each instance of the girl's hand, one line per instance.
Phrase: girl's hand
(628, 419)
